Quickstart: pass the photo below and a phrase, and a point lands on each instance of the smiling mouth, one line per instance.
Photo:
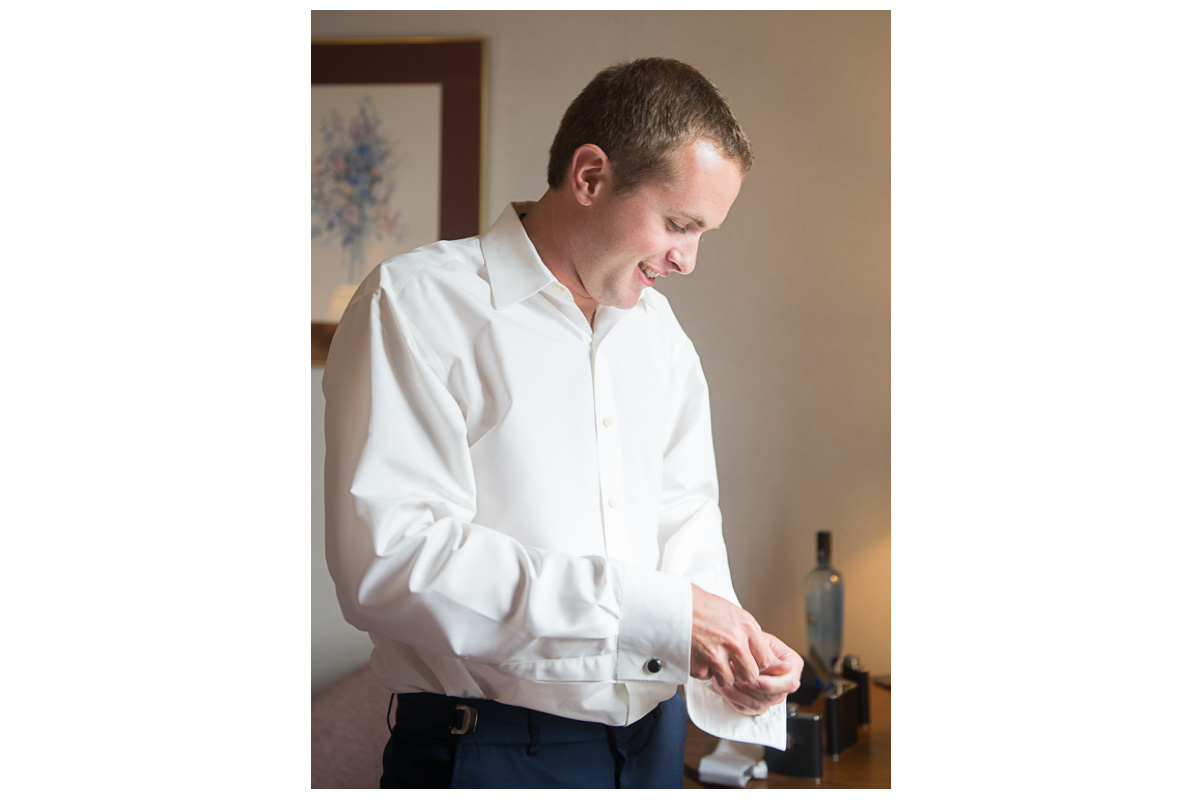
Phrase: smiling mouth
(649, 273)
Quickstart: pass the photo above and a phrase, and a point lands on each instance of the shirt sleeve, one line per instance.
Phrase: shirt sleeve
(694, 548)
(410, 565)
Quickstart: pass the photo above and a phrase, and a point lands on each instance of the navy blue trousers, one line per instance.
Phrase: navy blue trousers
(515, 748)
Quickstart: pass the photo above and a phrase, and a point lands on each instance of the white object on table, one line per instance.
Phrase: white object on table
(733, 764)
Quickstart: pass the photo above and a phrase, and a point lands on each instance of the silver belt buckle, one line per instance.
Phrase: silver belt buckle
(470, 717)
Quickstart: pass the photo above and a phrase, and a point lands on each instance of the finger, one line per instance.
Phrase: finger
(745, 667)
(745, 702)
(762, 649)
(781, 667)
(786, 653)
(722, 675)
(789, 659)
(768, 688)
(761, 700)
(776, 685)
(778, 647)
(738, 698)
(771, 684)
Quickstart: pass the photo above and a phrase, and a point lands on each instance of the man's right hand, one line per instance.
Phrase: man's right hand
(727, 643)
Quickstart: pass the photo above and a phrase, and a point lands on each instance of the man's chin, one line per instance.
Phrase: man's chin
(627, 303)
(623, 300)
(631, 300)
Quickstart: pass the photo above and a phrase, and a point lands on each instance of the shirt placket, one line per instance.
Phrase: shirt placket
(608, 449)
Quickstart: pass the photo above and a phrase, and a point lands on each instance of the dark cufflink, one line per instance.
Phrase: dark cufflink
(653, 665)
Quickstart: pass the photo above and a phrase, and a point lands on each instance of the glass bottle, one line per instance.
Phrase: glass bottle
(824, 600)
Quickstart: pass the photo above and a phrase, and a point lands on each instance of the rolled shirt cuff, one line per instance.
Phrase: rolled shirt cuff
(711, 714)
(655, 636)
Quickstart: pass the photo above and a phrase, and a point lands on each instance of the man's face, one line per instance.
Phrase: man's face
(638, 237)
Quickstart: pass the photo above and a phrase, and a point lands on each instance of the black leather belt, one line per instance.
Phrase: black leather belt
(444, 714)
(490, 721)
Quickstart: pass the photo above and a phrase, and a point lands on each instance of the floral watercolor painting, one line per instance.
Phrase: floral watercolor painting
(353, 178)
(375, 156)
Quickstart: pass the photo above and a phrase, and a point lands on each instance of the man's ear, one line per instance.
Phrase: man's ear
(590, 172)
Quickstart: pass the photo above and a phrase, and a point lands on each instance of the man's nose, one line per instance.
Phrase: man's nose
(683, 258)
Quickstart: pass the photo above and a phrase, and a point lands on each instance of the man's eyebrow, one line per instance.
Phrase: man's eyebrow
(696, 218)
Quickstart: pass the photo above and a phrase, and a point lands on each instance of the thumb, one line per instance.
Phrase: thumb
(780, 667)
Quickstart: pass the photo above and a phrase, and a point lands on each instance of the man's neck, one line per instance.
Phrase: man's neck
(548, 230)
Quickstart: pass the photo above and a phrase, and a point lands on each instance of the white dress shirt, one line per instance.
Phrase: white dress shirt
(516, 505)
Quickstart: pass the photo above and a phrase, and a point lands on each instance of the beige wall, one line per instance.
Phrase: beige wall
(790, 304)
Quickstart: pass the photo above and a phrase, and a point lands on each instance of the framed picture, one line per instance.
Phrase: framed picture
(397, 158)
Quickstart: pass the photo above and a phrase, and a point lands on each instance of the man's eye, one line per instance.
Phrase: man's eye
(675, 228)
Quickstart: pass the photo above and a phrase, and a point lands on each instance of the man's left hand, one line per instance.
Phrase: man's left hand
(773, 685)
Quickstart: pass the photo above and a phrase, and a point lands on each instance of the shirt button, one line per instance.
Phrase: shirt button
(653, 665)
(613, 502)
(609, 422)
(556, 289)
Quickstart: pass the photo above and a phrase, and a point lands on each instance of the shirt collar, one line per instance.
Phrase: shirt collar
(515, 270)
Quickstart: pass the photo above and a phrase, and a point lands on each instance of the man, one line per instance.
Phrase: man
(521, 492)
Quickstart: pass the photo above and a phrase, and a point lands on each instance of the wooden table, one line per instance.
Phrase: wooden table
(867, 764)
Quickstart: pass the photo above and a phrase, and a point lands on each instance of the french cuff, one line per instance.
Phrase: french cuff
(654, 639)
(711, 714)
